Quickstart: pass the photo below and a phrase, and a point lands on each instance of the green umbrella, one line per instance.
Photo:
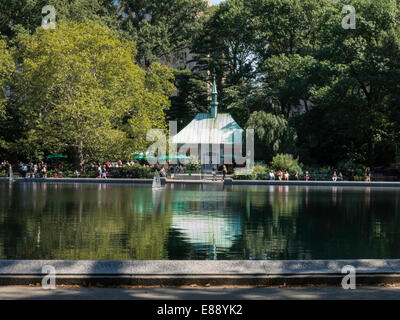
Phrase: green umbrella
(180, 156)
(56, 155)
(163, 158)
(142, 156)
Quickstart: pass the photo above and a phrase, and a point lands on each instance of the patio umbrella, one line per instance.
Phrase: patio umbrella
(180, 156)
(142, 156)
(56, 155)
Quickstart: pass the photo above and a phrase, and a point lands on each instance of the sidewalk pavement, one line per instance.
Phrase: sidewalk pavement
(201, 293)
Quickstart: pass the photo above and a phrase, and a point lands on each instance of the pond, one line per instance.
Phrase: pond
(209, 221)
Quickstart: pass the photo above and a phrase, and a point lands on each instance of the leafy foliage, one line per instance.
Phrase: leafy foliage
(161, 29)
(190, 99)
(273, 132)
(287, 68)
(286, 162)
(194, 166)
(84, 94)
(7, 68)
(135, 171)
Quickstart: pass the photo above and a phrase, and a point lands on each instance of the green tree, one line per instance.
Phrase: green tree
(273, 134)
(82, 92)
(285, 26)
(286, 162)
(225, 48)
(162, 30)
(24, 16)
(231, 36)
(191, 97)
(7, 68)
(355, 119)
(20, 16)
(101, 11)
(289, 79)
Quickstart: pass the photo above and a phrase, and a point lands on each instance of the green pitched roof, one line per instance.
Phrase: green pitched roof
(204, 129)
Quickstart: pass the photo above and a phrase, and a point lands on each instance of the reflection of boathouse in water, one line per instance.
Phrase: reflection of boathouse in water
(206, 218)
(212, 135)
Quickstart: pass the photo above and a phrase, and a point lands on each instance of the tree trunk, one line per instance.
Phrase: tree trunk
(371, 152)
(305, 105)
(80, 153)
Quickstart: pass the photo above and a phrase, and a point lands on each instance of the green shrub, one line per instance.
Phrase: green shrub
(351, 170)
(320, 171)
(358, 178)
(260, 172)
(88, 174)
(243, 177)
(193, 167)
(243, 174)
(286, 162)
(68, 174)
(135, 171)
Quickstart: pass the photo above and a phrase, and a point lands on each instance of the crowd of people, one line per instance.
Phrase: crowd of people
(28, 170)
(280, 175)
(40, 169)
(224, 170)
(103, 170)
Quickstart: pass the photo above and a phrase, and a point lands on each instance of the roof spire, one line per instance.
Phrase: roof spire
(214, 99)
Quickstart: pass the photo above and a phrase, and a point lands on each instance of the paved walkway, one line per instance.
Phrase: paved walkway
(201, 293)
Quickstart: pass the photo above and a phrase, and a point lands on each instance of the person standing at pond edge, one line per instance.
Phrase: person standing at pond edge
(367, 175)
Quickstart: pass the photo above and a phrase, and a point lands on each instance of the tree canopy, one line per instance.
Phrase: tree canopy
(81, 91)
(337, 87)
(288, 68)
(161, 29)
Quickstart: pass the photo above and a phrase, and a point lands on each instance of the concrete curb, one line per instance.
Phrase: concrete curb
(314, 183)
(81, 180)
(228, 181)
(110, 181)
(179, 272)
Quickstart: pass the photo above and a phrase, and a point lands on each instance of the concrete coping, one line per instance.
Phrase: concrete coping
(372, 184)
(198, 267)
(228, 181)
(81, 180)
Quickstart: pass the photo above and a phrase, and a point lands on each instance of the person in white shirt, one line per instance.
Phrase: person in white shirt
(287, 175)
(214, 173)
(162, 172)
(271, 175)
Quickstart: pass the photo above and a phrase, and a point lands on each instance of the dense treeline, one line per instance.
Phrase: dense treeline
(91, 87)
(290, 70)
(287, 68)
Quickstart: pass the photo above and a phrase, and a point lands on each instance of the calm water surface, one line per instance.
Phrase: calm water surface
(101, 221)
